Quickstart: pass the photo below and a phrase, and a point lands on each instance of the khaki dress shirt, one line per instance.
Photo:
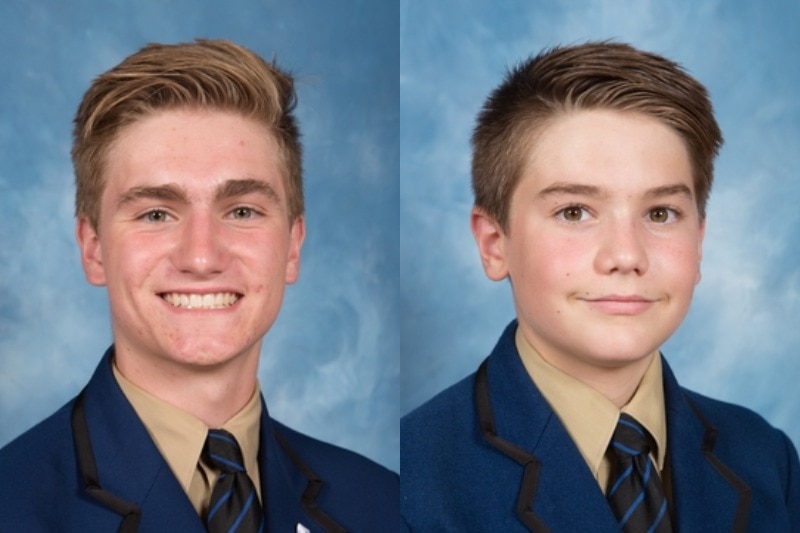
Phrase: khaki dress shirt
(180, 437)
(590, 418)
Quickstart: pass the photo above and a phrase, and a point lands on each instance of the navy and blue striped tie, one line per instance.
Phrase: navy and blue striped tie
(636, 495)
(234, 503)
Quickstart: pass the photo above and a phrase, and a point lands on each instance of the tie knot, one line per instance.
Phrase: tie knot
(222, 451)
(630, 438)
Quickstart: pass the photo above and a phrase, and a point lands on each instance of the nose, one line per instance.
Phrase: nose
(622, 249)
(201, 249)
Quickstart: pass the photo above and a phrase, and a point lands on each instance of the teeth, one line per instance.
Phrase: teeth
(219, 300)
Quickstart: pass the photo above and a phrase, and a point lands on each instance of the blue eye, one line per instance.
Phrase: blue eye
(242, 213)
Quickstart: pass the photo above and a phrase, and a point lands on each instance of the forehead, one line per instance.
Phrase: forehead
(197, 149)
(609, 149)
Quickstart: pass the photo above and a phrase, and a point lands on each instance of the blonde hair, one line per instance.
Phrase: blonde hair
(205, 74)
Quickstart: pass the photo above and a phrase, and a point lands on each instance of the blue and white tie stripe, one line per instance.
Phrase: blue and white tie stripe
(636, 495)
(234, 506)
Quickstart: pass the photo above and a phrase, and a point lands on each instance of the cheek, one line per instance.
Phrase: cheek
(260, 290)
(563, 257)
(680, 263)
(266, 261)
(544, 264)
(132, 260)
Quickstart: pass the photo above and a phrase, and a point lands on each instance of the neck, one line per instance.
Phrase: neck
(211, 394)
(617, 384)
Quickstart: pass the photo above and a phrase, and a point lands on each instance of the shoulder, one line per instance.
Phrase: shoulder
(439, 439)
(349, 479)
(42, 460)
(444, 433)
(728, 419)
(330, 458)
(733, 431)
(743, 433)
(760, 455)
(444, 416)
(452, 412)
(40, 445)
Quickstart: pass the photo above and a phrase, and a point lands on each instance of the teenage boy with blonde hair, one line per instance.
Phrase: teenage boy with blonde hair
(592, 166)
(190, 212)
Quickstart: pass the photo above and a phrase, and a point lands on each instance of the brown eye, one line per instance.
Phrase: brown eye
(573, 213)
(659, 215)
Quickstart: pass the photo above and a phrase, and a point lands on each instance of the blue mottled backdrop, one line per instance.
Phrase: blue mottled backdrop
(332, 361)
(741, 340)
(330, 365)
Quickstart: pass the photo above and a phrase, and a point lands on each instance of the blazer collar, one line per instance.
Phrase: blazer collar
(290, 486)
(129, 466)
(700, 479)
(120, 444)
(516, 420)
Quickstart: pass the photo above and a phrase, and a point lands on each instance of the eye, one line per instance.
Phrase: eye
(662, 215)
(243, 213)
(155, 216)
(572, 213)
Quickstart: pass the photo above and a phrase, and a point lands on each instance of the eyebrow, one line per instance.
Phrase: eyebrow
(167, 193)
(242, 187)
(679, 189)
(177, 194)
(579, 189)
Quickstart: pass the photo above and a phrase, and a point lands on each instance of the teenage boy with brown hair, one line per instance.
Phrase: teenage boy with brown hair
(592, 166)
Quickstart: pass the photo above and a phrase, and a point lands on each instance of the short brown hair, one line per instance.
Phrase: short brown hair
(205, 74)
(595, 75)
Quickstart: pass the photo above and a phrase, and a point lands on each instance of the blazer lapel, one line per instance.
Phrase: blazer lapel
(281, 485)
(129, 466)
(132, 472)
(700, 480)
(289, 487)
(570, 496)
(558, 491)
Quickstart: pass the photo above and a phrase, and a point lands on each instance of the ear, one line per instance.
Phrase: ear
(491, 240)
(297, 233)
(700, 249)
(91, 252)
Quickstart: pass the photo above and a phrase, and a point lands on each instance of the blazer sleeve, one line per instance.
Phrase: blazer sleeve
(792, 484)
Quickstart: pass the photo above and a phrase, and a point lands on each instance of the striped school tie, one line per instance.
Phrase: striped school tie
(234, 505)
(636, 495)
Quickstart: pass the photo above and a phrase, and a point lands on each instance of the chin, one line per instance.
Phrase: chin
(204, 355)
(622, 362)
(203, 360)
(622, 355)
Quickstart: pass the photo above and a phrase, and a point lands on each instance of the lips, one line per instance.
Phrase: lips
(217, 300)
(620, 304)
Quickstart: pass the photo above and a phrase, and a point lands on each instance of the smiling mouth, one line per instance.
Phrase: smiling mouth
(219, 300)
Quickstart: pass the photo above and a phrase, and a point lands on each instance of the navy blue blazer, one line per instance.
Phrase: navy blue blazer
(48, 482)
(489, 454)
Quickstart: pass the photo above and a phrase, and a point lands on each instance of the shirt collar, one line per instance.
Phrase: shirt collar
(648, 408)
(180, 436)
(588, 416)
